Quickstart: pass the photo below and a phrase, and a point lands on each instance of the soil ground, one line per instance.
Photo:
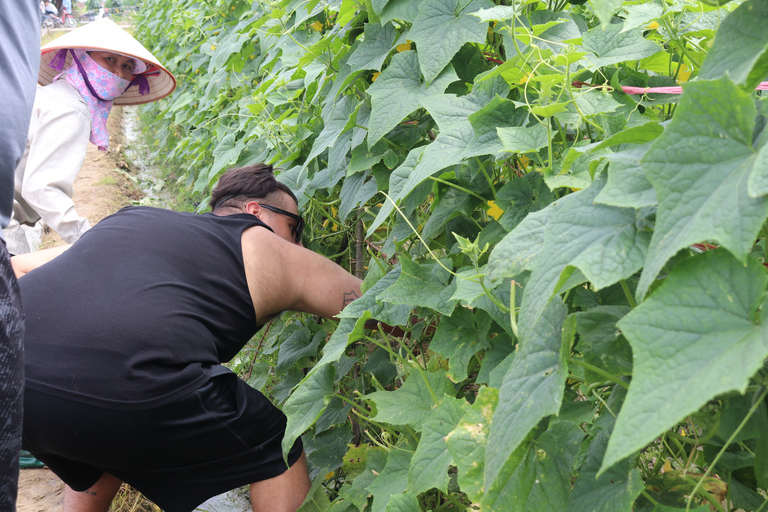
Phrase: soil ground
(101, 188)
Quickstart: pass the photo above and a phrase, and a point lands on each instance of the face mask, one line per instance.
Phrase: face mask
(98, 87)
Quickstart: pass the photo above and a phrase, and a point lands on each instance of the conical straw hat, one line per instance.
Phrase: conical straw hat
(105, 35)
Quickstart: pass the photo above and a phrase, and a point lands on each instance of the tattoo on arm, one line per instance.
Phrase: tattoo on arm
(349, 297)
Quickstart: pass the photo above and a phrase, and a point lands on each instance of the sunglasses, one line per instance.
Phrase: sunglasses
(297, 229)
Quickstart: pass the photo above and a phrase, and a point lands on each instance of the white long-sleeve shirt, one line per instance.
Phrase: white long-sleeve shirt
(59, 131)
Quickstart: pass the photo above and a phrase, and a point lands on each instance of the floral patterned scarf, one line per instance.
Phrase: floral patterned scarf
(98, 87)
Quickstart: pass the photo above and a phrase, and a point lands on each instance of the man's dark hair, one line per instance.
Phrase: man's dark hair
(247, 183)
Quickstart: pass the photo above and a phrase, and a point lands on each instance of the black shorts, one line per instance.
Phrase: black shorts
(222, 436)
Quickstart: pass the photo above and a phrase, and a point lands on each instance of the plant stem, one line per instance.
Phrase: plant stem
(599, 371)
(630, 298)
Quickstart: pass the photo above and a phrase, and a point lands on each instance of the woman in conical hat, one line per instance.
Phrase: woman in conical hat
(83, 73)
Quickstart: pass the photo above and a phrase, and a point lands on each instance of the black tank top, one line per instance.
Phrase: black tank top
(136, 313)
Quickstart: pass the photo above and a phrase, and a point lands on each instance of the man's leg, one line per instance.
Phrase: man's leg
(96, 499)
(283, 493)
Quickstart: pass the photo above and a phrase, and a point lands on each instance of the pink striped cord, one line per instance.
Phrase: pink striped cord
(659, 90)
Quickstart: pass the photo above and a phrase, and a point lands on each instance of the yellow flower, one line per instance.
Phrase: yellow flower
(403, 47)
(684, 73)
(317, 26)
(652, 25)
(494, 210)
(524, 161)
(213, 47)
(525, 79)
(330, 475)
(374, 77)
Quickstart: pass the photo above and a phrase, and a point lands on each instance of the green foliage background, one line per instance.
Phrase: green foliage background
(584, 264)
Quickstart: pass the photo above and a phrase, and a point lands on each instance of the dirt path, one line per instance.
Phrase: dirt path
(100, 190)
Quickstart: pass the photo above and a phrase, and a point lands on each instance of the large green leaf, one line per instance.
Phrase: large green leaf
(425, 285)
(414, 402)
(609, 45)
(697, 336)
(374, 49)
(399, 91)
(458, 338)
(392, 480)
(468, 440)
(538, 475)
(441, 28)
(500, 112)
(306, 404)
(605, 9)
(604, 242)
(532, 388)
(519, 250)
(703, 194)
(627, 184)
(523, 139)
(429, 466)
(740, 50)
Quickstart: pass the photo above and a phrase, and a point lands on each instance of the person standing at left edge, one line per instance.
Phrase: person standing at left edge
(19, 63)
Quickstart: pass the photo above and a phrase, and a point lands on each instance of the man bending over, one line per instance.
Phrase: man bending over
(126, 331)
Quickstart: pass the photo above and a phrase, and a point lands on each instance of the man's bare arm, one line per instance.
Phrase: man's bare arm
(283, 276)
(24, 263)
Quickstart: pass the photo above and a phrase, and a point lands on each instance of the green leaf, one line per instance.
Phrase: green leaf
(349, 331)
(306, 404)
(468, 440)
(501, 12)
(523, 139)
(603, 242)
(594, 102)
(696, 337)
(378, 42)
(424, 285)
(740, 50)
(641, 15)
(600, 341)
(532, 388)
(226, 153)
(333, 125)
(392, 480)
(414, 402)
(627, 184)
(406, 502)
(605, 9)
(399, 91)
(383, 312)
(521, 196)
(405, 10)
(538, 475)
(458, 338)
(441, 28)
(356, 190)
(609, 45)
(375, 461)
(615, 490)
(703, 195)
(499, 113)
(519, 250)
(429, 466)
(299, 344)
(397, 179)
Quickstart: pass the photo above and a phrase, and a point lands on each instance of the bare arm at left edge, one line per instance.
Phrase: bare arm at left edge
(24, 263)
